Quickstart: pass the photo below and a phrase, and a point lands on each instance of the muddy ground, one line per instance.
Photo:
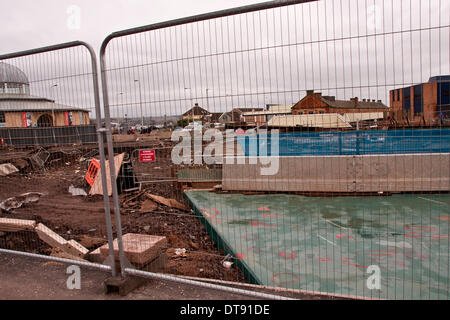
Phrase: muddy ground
(83, 218)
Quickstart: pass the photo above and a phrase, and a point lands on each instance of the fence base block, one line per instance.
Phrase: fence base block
(123, 286)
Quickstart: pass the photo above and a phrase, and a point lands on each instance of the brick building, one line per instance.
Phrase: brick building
(315, 103)
(425, 104)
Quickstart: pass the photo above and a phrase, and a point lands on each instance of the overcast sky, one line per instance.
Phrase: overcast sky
(345, 48)
(26, 24)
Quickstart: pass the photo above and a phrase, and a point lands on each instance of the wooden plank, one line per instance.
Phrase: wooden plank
(97, 185)
(14, 225)
(172, 203)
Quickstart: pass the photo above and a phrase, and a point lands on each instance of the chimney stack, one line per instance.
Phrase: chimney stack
(309, 92)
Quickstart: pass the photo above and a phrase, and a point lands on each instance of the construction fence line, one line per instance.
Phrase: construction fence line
(298, 145)
(268, 124)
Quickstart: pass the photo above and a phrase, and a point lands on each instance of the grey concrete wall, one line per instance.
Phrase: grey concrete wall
(367, 173)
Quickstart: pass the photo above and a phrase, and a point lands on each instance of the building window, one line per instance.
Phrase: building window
(2, 119)
(398, 94)
(443, 97)
(418, 100)
(407, 99)
(321, 112)
(311, 112)
(300, 112)
(81, 117)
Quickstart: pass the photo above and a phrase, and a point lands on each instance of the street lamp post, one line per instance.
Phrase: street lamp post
(53, 109)
(207, 98)
(140, 101)
(192, 104)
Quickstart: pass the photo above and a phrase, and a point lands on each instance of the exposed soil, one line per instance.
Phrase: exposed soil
(75, 217)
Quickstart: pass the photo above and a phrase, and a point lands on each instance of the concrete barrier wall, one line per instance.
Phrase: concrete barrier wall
(368, 173)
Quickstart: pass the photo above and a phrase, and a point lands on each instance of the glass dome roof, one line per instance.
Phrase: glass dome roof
(12, 74)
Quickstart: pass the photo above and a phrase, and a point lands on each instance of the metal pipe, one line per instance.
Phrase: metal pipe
(122, 259)
(87, 264)
(165, 277)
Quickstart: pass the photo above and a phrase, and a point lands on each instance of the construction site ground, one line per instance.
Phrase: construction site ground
(82, 218)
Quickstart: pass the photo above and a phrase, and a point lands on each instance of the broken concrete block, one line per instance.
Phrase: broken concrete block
(90, 242)
(97, 256)
(17, 202)
(75, 249)
(14, 225)
(7, 168)
(138, 248)
(50, 237)
(58, 252)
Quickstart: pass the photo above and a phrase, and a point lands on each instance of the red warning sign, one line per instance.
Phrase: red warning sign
(146, 155)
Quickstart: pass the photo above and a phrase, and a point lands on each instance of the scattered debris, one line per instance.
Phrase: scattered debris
(97, 185)
(91, 242)
(19, 163)
(55, 240)
(176, 253)
(50, 237)
(128, 200)
(77, 191)
(17, 202)
(7, 168)
(14, 225)
(194, 245)
(138, 248)
(227, 264)
(179, 251)
(39, 158)
(148, 205)
(172, 203)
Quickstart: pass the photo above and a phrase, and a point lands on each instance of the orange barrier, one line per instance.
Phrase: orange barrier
(93, 169)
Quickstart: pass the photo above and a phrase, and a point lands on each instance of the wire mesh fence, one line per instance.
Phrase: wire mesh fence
(298, 148)
(308, 145)
(49, 97)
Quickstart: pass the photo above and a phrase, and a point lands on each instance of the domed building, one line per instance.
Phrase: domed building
(20, 109)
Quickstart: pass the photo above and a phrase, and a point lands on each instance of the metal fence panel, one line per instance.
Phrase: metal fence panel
(295, 143)
(47, 99)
